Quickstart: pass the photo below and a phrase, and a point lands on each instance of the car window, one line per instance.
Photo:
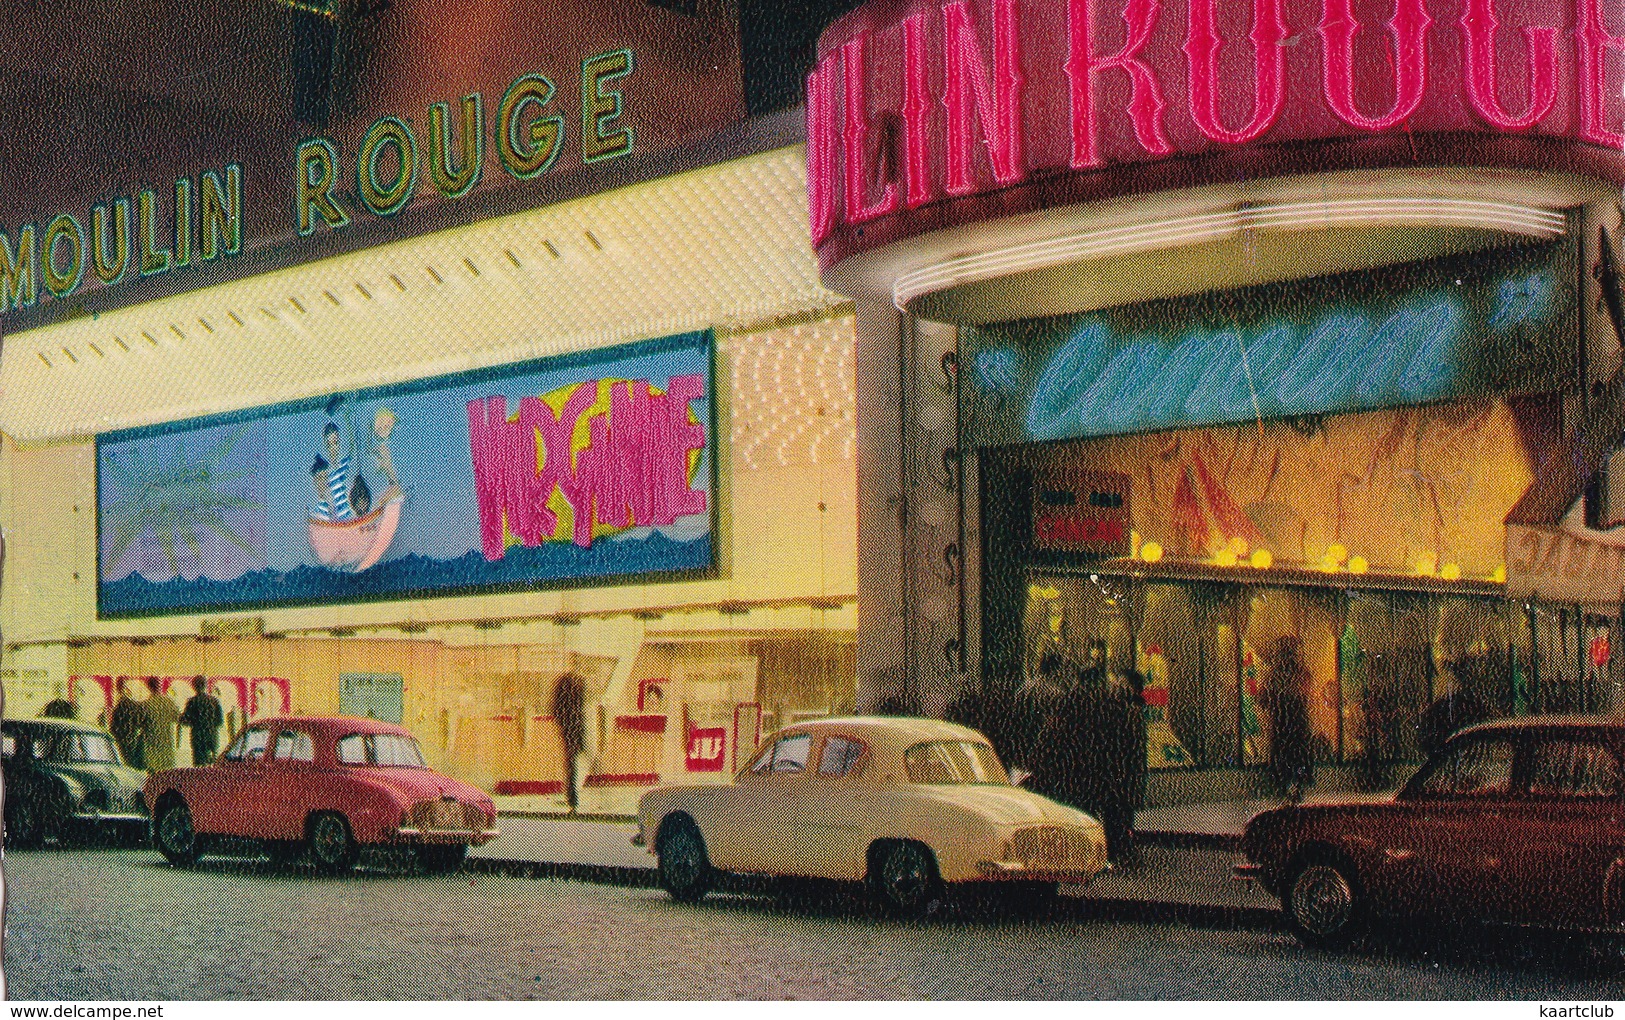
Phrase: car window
(292, 745)
(954, 762)
(97, 748)
(396, 751)
(839, 756)
(1475, 768)
(249, 745)
(352, 750)
(1573, 768)
(786, 755)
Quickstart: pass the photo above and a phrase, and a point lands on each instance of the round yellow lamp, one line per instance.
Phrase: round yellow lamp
(1500, 575)
(1450, 571)
(1262, 559)
(1358, 565)
(1227, 558)
(1151, 552)
(1427, 564)
(1337, 552)
(1238, 545)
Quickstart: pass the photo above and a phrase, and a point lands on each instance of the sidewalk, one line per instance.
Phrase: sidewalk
(1182, 870)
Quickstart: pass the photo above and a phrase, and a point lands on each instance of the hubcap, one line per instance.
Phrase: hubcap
(905, 875)
(329, 838)
(176, 830)
(1322, 900)
(683, 859)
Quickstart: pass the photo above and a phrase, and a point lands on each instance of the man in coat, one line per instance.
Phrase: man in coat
(203, 718)
(162, 728)
(128, 724)
(569, 711)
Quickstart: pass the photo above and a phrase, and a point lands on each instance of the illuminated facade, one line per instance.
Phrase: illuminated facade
(1218, 330)
(479, 352)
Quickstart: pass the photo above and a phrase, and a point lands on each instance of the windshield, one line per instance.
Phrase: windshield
(954, 762)
(382, 749)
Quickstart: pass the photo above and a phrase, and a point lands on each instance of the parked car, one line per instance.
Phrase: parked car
(65, 779)
(1516, 821)
(331, 787)
(909, 806)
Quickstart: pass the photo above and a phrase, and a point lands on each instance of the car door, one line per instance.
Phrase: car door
(1447, 841)
(225, 797)
(835, 810)
(290, 785)
(756, 827)
(1569, 831)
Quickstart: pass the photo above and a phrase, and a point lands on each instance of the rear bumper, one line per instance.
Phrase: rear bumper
(443, 837)
(1247, 873)
(91, 816)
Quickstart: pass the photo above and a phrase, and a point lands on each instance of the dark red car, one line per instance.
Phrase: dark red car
(329, 786)
(1512, 822)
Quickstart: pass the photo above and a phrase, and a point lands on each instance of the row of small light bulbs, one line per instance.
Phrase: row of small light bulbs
(1335, 560)
(780, 381)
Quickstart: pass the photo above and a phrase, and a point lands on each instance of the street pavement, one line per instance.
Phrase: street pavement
(121, 924)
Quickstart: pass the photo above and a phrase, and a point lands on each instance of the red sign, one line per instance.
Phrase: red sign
(706, 747)
(919, 112)
(1082, 512)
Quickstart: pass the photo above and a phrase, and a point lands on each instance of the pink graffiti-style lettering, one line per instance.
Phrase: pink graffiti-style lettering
(821, 149)
(633, 472)
(917, 110)
(1594, 41)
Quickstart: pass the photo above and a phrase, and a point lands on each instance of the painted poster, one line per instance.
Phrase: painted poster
(585, 468)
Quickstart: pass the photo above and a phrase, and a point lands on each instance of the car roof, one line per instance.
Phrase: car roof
(1529, 723)
(329, 725)
(41, 725)
(886, 730)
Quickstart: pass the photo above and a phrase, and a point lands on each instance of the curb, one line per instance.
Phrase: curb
(1191, 840)
(1200, 915)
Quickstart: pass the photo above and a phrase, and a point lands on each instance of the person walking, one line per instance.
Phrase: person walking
(161, 730)
(1123, 736)
(569, 711)
(128, 723)
(60, 707)
(1292, 750)
(203, 717)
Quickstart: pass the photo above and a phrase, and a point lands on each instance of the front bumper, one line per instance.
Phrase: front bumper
(93, 816)
(1019, 871)
(1247, 873)
(443, 837)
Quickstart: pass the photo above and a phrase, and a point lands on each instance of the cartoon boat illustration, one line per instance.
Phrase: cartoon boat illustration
(356, 545)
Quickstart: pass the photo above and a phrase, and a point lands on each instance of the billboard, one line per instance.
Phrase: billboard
(582, 469)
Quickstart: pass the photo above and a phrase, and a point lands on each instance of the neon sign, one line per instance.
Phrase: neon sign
(1399, 336)
(943, 101)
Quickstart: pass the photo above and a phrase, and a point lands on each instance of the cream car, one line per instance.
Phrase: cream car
(906, 805)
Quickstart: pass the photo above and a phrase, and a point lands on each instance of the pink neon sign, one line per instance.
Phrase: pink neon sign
(916, 105)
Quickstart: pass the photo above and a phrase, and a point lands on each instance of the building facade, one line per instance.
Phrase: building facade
(1251, 346)
(401, 361)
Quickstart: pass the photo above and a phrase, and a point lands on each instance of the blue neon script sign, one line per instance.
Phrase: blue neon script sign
(1408, 334)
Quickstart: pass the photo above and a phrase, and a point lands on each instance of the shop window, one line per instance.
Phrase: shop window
(1573, 768)
(1173, 652)
(1290, 691)
(1387, 667)
(1572, 668)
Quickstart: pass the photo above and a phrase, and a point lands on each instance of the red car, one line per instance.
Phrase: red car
(329, 786)
(1511, 822)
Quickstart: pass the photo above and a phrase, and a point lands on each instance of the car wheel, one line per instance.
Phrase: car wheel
(173, 833)
(1324, 904)
(442, 859)
(332, 847)
(903, 878)
(685, 867)
(25, 828)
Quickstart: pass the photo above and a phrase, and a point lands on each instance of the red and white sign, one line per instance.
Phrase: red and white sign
(923, 114)
(1082, 512)
(706, 747)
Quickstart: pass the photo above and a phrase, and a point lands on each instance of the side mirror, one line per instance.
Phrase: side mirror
(1019, 777)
